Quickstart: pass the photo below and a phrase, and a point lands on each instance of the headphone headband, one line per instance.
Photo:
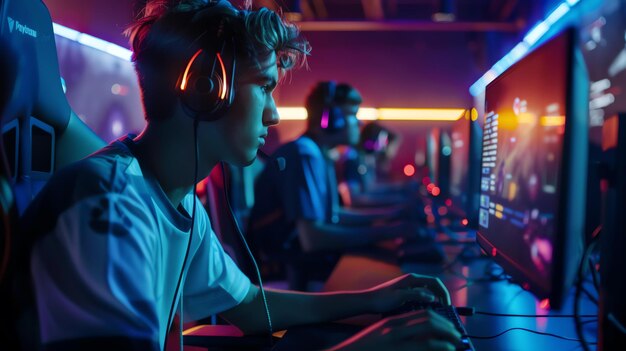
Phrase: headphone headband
(217, 8)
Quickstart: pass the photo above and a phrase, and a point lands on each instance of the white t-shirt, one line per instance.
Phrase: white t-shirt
(110, 250)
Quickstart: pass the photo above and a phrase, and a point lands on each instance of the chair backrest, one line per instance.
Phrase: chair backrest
(223, 219)
(35, 116)
(241, 190)
(8, 209)
(37, 111)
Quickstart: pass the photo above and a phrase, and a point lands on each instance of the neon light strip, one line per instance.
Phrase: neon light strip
(420, 114)
(225, 85)
(531, 38)
(92, 42)
(388, 114)
(292, 113)
(367, 114)
(183, 83)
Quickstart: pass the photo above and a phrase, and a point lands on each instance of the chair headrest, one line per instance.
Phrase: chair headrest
(26, 28)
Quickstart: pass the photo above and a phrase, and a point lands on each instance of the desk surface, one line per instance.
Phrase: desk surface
(356, 271)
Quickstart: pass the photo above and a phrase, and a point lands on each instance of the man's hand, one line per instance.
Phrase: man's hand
(407, 288)
(419, 330)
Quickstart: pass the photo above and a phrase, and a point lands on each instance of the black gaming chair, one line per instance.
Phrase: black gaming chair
(40, 133)
(8, 210)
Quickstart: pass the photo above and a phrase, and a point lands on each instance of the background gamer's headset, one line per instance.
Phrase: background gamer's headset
(332, 119)
(374, 138)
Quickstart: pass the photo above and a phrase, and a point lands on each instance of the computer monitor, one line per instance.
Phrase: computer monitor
(432, 154)
(445, 151)
(533, 170)
(438, 150)
(466, 144)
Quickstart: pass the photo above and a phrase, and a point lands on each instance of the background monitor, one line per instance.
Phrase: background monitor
(432, 154)
(533, 170)
(445, 151)
(466, 144)
(438, 150)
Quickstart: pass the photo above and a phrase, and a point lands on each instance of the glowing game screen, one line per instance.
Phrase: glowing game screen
(520, 180)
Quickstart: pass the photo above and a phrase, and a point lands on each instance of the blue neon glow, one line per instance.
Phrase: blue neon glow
(92, 42)
(536, 33)
(532, 37)
(557, 14)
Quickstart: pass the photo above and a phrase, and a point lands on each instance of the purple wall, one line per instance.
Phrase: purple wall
(391, 69)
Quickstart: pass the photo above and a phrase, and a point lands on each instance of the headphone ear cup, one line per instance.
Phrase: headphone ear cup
(207, 94)
(198, 93)
(332, 116)
(336, 120)
(204, 85)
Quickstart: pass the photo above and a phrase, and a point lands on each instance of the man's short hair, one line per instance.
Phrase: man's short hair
(167, 34)
(316, 100)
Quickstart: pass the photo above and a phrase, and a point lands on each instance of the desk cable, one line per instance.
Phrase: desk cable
(470, 311)
(580, 288)
(526, 330)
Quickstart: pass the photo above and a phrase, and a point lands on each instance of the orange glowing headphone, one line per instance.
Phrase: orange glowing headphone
(206, 86)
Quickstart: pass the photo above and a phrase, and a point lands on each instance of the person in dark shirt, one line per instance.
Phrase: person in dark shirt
(297, 208)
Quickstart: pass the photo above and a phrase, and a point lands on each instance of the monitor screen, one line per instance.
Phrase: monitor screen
(526, 170)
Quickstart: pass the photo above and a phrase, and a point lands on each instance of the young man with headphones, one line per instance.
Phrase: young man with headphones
(119, 242)
(297, 206)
